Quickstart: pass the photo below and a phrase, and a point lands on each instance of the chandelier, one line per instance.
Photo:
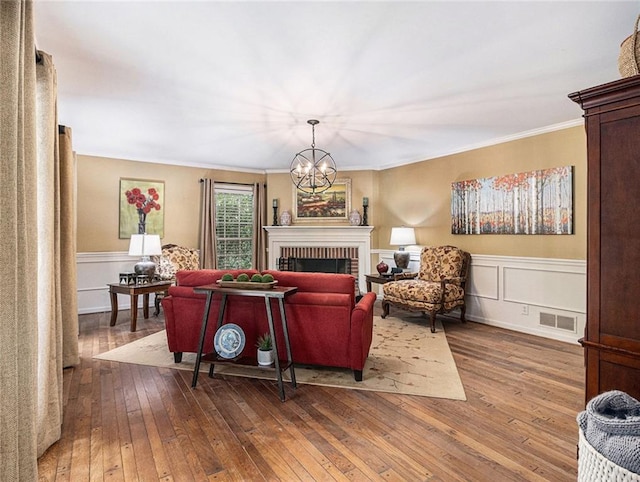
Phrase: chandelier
(313, 170)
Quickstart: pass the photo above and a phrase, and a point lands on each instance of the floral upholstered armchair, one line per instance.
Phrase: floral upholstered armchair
(438, 287)
(173, 258)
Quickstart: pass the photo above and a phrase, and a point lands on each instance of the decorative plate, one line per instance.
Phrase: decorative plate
(229, 340)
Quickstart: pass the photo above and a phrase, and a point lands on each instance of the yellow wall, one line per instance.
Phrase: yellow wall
(99, 188)
(414, 195)
(419, 195)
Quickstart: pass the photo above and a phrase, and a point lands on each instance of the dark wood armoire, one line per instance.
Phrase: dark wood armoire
(612, 335)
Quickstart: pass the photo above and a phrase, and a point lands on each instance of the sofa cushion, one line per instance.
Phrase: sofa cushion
(318, 282)
(422, 291)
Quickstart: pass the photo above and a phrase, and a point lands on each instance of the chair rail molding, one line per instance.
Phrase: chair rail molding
(510, 292)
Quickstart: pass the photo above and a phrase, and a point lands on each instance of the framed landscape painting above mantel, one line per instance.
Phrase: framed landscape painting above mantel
(334, 204)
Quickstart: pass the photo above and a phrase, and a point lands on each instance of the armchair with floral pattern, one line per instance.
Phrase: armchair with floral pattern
(173, 258)
(438, 287)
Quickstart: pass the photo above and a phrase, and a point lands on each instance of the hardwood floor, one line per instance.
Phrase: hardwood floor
(131, 422)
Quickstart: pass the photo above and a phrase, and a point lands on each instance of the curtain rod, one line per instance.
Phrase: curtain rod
(233, 183)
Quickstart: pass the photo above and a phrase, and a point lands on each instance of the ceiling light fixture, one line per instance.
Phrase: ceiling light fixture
(313, 170)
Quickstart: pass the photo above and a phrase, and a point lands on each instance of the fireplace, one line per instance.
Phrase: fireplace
(352, 243)
(316, 265)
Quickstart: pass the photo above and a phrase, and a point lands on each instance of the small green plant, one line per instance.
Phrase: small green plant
(227, 277)
(244, 277)
(267, 278)
(264, 342)
(256, 278)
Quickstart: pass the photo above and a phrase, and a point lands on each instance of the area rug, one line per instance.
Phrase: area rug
(405, 358)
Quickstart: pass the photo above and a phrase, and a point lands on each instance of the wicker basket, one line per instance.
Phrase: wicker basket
(629, 53)
(594, 467)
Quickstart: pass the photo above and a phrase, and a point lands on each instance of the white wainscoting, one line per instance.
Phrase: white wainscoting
(516, 293)
(501, 289)
(95, 271)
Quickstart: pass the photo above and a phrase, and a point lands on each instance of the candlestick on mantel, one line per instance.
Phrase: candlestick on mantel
(275, 212)
(365, 206)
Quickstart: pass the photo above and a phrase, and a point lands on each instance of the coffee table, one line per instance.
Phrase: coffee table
(134, 291)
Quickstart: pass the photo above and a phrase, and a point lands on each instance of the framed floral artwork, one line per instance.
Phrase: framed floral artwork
(333, 204)
(141, 207)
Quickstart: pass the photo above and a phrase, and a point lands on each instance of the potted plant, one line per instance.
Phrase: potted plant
(265, 350)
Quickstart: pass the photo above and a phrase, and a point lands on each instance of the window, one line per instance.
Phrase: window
(234, 226)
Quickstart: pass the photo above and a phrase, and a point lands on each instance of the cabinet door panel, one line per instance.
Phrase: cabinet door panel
(620, 228)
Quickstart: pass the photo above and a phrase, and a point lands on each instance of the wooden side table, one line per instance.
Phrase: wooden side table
(376, 278)
(277, 292)
(134, 291)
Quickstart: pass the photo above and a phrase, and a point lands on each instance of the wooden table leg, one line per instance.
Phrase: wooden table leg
(114, 307)
(203, 332)
(145, 305)
(267, 303)
(285, 329)
(134, 311)
(368, 286)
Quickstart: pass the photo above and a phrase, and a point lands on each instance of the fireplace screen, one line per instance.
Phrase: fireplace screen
(316, 265)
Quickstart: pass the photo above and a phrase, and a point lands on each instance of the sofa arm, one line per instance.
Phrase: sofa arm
(361, 332)
(365, 305)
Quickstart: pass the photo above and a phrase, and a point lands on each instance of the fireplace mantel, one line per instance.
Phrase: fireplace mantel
(327, 236)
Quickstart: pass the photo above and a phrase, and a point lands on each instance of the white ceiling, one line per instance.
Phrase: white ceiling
(231, 84)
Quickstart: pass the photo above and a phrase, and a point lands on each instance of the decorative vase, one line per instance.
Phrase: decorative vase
(142, 222)
(382, 267)
(285, 218)
(354, 218)
(265, 357)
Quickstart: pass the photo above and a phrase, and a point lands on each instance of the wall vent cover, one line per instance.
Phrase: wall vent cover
(561, 322)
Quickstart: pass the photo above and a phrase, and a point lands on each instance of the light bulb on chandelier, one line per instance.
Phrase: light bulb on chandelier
(313, 170)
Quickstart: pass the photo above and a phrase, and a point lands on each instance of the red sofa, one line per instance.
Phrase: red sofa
(326, 326)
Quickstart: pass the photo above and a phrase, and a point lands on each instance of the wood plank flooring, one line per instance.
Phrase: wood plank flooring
(129, 422)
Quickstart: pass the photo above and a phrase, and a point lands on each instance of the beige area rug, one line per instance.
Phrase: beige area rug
(405, 358)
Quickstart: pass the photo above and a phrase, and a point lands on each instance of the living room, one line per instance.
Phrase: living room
(523, 379)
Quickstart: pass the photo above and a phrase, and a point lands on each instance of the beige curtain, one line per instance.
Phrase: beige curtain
(208, 257)
(259, 220)
(67, 253)
(57, 289)
(18, 243)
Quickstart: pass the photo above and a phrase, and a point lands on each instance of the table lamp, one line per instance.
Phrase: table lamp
(145, 245)
(402, 237)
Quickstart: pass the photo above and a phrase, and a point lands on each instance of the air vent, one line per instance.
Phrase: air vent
(565, 323)
(547, 319)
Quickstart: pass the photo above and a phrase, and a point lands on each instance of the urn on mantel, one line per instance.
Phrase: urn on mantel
(285, 218)
(354, 218)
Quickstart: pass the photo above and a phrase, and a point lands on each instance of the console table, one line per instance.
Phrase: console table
(134, 291)
(277, 292)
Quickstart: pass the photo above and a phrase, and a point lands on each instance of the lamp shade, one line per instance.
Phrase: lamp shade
(402, 236)
(144, 245)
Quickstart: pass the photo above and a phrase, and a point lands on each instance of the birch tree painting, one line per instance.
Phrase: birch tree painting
(535, 202)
